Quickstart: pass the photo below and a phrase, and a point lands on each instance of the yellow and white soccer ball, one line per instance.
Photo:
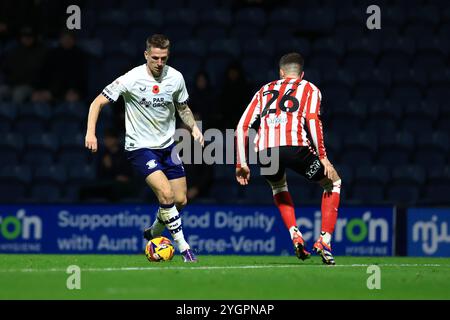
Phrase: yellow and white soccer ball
(159, 249)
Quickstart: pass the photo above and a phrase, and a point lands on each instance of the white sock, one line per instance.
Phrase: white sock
(293, 230)
(326, 237)
(172, 220)
(158, 225)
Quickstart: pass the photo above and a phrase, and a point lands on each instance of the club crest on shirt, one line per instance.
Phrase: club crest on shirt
(151, 164)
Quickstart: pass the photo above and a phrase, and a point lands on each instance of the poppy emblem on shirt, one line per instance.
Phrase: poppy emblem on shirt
(155, 89)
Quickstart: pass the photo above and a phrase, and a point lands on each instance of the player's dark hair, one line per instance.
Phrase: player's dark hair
(158, 41)
(292, 58)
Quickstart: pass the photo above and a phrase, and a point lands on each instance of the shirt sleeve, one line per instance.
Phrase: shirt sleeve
(314, 123)
(115, 89)
(251, 113)
(181, 95)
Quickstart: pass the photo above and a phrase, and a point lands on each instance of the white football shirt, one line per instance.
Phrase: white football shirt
(149, 105)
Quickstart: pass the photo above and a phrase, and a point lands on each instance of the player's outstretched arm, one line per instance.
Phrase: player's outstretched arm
(188, 119)
(94, 111)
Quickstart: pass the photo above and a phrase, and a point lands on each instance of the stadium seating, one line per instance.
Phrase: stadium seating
(384, 92)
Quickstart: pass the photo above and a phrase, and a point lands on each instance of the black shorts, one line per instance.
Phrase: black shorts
(300, 159)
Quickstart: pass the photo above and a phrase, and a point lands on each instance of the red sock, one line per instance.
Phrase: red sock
(285, 204)
(330, 204)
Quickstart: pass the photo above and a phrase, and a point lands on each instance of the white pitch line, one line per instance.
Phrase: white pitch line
(223, 267)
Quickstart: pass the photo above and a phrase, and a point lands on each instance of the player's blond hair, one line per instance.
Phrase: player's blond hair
(158, 41)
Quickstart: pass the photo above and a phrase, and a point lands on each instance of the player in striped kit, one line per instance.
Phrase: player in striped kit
(152, 92)
(286, 109)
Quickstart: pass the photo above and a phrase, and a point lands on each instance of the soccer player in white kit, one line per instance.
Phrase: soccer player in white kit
(152, 92)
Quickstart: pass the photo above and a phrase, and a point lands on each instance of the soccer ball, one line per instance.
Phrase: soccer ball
(159, 249)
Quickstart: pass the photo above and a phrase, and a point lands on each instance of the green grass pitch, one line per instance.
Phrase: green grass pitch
(221, 277)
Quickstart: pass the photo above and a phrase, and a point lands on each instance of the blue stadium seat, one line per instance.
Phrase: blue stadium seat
(333, 142)
(69, 157)
(245, 32)
(345, 171)
(31, 126)
(418, 31)
(37, 158)
(191, 48)
(402, 45)
(66, 126)
(15, 174)
(46, 192)
(393, 15)
(250, 65)
(93, 47)
(395, 149)
(437, 194)
(439, 175)
(181, 17)
(5, 126)
(224, 48)
(366, 46)
(135, 6)
(12, 141)
(224, 191)
(427, 15)
(277, 32)
(370, 91)
(348, 118)
(210, 33)
(216, 69)
(406, 92)
(324, 62)
(380, 109)
(417, 124)
(319, 19)
(359, 147)
(8, 157)
(430, 61)
(45, 142)
(432, 149)
(70, 110)
(250, 16)
(261, 48)
(205, 4)
(410, 76)
(115, 66)
(293, 44)
(178, 32)
(284, 16)
(403, 194)
(145, 18)
(8, 111)
(367, 194)
(12, 192)
(372, 175)
(381, 125)
(327, 46)
(72, 142)
(53, 173)
(394, 61)
(114, 17)
(168, 5)
(432, 45)
(80, 173)
(216, 17)
(408, 175)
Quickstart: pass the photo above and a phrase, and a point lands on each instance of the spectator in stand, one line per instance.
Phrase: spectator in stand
(66, 59)
(235, 93)
(203, 100)
(114, 174)
(22, 65)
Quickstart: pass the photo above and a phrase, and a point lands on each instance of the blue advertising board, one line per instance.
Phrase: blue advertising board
(243, 230)
(428, 232)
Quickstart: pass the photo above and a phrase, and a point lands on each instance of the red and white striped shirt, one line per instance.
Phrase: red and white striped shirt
(283, 106)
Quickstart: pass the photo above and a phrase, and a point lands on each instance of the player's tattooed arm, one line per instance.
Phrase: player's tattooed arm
(188, 118)
(186, 115)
